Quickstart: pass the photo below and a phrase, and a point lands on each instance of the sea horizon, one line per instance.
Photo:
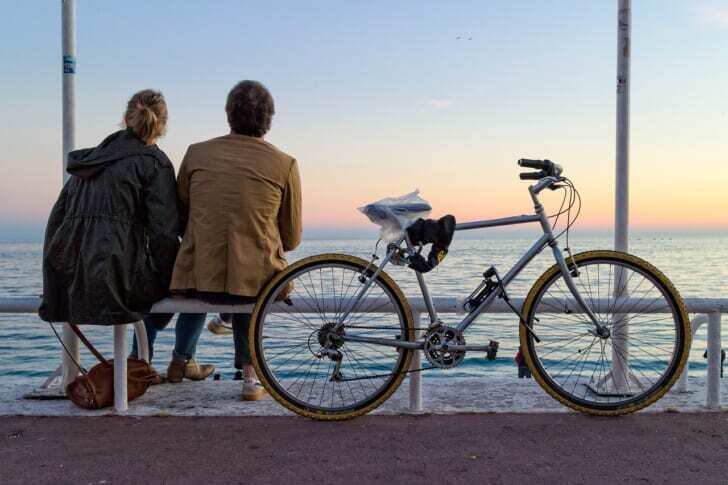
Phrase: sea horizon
(695, 263)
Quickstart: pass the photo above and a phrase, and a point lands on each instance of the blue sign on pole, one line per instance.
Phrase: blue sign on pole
(69, 64)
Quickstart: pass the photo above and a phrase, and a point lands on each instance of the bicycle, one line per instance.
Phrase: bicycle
(603, 332)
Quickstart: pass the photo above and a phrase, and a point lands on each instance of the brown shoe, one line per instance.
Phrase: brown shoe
(187, 369)
(176, 370)
(197, 372)
(157, 378)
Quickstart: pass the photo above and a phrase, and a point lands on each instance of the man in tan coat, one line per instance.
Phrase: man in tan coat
(241, 199)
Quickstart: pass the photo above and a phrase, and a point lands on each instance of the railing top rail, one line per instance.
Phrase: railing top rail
(29, 304)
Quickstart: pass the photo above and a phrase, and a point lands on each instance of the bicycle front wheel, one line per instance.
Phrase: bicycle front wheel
(626, 367)
(302, 358)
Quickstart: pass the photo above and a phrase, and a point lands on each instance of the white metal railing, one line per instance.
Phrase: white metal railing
(707, 310)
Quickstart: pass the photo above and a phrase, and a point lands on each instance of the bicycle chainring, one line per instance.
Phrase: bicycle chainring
(439, 356)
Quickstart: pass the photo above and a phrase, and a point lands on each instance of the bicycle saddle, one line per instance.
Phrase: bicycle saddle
(408, 211)
(439, 233)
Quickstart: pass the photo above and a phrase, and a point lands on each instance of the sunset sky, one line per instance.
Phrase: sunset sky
(379, 98)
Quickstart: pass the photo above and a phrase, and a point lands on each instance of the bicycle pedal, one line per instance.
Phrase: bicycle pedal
(491, 354)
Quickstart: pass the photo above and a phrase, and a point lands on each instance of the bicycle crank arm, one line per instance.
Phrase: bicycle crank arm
(459, 348)
(402, 344)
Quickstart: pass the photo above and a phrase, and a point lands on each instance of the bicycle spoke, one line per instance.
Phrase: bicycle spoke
(623, 365)
(297, 351)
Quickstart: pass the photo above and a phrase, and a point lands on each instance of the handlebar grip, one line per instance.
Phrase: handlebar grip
(532, 175)
(528, 163)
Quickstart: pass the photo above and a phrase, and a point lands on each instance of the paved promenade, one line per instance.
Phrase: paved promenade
(202, 433)
(439, 396)
(563, 448)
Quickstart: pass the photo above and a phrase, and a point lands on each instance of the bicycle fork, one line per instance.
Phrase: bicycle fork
(600, 330)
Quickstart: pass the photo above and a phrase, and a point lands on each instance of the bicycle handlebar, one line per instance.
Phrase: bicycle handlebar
(547, 168)
(528, 163)
(532, 175)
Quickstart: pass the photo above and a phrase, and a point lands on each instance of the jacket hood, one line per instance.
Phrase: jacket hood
(89, 162)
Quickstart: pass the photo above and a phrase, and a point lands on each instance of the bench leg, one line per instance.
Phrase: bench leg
(141, 337)
(121, 403)
(69, 368)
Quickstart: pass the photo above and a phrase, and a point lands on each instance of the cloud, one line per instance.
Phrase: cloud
(439, 103)
(714, 14)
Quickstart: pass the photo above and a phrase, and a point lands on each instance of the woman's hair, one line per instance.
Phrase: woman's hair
(250, 109)
(146, 115)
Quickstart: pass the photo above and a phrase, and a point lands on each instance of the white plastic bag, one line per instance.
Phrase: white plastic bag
(395, 214)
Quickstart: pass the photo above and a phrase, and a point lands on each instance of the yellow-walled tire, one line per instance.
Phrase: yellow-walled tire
(629, 404)
(273, 292)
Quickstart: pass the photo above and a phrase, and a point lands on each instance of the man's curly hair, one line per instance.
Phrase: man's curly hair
(250, 109)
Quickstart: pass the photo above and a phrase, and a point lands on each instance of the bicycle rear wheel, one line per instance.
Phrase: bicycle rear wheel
(628, 367)
(295, 350)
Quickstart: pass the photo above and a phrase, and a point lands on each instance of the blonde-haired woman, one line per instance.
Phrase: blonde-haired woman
(112, 236)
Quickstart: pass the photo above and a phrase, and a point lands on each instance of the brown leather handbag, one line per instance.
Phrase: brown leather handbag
(94, 389)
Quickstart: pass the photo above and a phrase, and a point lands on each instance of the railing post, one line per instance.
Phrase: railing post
(714, 348)
(695, 324)
(121, 403)
(415, 384)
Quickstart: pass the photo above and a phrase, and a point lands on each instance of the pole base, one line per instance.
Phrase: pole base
(607, 386)
(46, 394)
(50, 389)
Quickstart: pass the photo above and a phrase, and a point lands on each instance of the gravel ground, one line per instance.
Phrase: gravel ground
(497, 448)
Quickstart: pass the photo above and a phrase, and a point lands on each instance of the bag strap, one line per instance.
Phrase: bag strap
(85, 341)
(70, 355)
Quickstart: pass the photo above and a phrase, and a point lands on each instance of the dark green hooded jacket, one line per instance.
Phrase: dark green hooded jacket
(112, 236)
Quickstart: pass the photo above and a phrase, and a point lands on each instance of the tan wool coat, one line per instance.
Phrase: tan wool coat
(242, 200)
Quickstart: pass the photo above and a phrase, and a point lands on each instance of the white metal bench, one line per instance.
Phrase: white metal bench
(706, 310)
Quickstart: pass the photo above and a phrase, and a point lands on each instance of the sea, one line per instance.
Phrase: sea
(696, 263)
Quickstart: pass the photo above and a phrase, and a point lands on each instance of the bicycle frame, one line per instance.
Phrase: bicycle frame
(547, 239)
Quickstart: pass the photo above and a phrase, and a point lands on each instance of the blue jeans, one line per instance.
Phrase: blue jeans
(241, 324)
(186, 334)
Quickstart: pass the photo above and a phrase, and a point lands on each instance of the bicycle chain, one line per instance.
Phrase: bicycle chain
(421, 369)
(377, 376)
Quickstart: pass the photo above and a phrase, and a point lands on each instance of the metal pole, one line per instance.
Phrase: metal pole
(68, 33)
(620, 332)
(621, 214)
(68, 30)
(415, 384)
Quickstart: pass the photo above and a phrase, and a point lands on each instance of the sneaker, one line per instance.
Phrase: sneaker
(252, 389)
(219, 327)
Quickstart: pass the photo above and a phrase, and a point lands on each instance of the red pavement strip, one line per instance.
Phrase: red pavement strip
(463, 448)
